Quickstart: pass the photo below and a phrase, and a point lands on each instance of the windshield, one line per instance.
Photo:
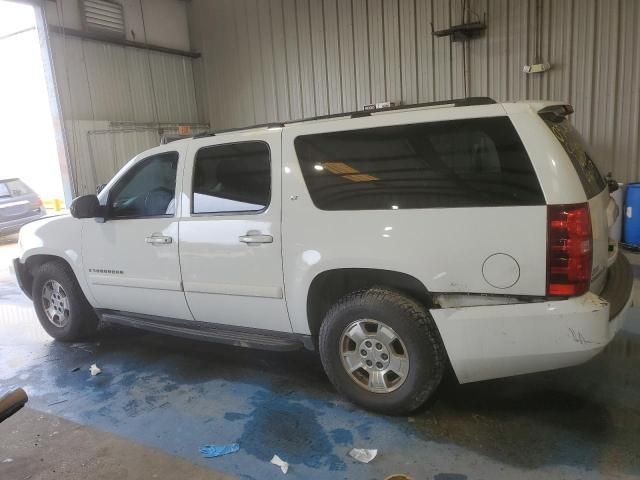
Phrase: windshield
(591, 178)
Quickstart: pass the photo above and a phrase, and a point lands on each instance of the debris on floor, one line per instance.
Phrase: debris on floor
(7, 460)
(211, 451)
(277, 461)
(12, 402)
(363, 455)
(95, 370)
(84, 346)
(75, 369)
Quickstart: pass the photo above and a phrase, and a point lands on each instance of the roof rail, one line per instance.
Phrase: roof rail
(238, 129)
(457, 102)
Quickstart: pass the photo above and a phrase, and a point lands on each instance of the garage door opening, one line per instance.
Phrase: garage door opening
(30, 141)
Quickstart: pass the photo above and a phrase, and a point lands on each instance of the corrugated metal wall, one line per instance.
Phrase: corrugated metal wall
(99, 84)
(274, 60)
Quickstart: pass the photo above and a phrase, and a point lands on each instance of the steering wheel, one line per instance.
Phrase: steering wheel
(160, 193)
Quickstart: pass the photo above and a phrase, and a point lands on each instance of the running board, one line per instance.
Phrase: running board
(212, 332)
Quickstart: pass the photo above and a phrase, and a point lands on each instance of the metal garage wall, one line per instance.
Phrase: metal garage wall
(273, 60)
(101, 148)
(99, 84)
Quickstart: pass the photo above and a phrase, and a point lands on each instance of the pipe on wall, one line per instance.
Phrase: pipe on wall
(120, 41)
(133, 127)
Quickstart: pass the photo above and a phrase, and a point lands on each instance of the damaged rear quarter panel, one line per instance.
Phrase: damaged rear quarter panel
(495, 341)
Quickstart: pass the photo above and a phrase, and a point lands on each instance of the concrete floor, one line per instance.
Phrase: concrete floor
(167, 397)
(37, 445)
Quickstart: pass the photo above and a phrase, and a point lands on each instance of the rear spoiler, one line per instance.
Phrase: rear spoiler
(556, 113)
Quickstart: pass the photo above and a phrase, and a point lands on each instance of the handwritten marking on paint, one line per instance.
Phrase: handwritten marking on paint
(579, 338)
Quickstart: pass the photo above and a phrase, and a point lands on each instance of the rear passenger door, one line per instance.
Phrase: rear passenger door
(230, 245)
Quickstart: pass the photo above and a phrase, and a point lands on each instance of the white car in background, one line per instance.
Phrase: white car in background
(392, 241)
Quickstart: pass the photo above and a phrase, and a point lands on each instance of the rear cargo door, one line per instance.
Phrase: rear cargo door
(598, 208)
(595, 188)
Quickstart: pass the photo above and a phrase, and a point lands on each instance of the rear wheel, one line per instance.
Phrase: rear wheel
(382, 350)
(61, 306)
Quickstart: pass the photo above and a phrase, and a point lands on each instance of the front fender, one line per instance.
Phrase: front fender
(59, 237)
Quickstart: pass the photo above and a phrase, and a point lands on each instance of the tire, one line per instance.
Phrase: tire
(75, 318)
(418, 347)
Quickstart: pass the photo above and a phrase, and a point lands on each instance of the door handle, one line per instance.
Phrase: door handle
(254, 237)
(156, 239)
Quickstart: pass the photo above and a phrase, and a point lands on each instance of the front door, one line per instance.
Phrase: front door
(131, 260)
(230, 245)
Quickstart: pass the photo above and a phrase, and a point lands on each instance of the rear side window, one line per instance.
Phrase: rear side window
(232, 178)
(459, 163)
(13, 188)
(576, 149)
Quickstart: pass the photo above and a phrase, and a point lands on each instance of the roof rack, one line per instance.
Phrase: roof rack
(457, 102)
(238, 129)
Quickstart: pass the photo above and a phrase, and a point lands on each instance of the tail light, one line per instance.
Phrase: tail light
(569, 249)
(36, 203)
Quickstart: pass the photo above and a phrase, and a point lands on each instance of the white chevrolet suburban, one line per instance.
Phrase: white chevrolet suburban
(394, 242)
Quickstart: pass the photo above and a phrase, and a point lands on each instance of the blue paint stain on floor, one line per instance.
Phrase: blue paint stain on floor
(341, 436)
(233, 416)
(178, 395)
(278, 424)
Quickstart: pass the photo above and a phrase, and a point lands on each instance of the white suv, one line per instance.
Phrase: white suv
(392, 241)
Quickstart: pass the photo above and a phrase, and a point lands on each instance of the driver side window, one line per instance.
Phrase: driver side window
(147, 190)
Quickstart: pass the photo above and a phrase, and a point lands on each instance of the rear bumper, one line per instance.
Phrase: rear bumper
(495, 341)
(13, 226)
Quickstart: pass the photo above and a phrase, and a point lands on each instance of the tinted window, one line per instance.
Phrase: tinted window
(147, 190)
(461, 163)
(575, 146)
(232, 178)
(13, 188)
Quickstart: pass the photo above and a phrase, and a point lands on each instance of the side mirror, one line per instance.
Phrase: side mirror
(612, 184)
(86, 206)
(100, 187)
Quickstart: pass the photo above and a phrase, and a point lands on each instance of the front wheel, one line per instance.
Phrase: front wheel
(61, 306)
(382, 350)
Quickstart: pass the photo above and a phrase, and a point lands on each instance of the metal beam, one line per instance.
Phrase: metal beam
(18, 32)
(119, 41)
(67, 172)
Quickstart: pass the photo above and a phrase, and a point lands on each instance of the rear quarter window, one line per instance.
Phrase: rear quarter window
(459, 163)
(576, 148)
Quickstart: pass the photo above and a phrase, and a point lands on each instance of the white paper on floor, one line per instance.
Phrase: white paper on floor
(363, 455)
(284, 466)
(94, 370)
